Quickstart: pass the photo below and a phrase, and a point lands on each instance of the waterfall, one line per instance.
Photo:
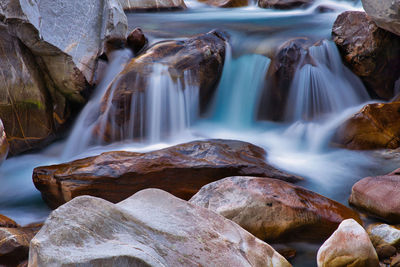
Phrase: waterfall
(324, 86)
(239, 89)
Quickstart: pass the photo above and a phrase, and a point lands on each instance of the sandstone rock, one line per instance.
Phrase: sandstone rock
(386, 13)
(196, 63)
(381, 234)
(349, 245)
(151, 228)
(375, 126)
(284, 4)
(372, 53)
(378, 196)
(136, 40)
(273, 210)
(7, 222)
(3, 144)
(14, 244)
(152, 5)
(181, 170)
(226, 3)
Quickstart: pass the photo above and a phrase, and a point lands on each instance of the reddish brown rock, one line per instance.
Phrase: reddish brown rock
(273, 210)
(379, 196)
(226, 3)
(375, 126)
(7, 222)
(284, 4)
(181, 170)
(372, 53)
(14, 244)
(152, 5)
(195, 62)
(3, 143)
(136, 40)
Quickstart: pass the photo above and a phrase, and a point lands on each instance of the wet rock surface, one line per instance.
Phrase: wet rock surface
(181, 170)
(152, 5)
(151, 228)
(378, 196)
(349, 245)
(4, 146)
(284, 4)
(385, 14)
(273, 210)
(370, 52)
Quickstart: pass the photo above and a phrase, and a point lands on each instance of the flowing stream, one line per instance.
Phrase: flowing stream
(300, 145)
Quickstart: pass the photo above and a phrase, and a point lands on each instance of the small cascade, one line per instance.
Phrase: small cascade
(323, 85)
(239, 89)
(81, 135)
(164, 109)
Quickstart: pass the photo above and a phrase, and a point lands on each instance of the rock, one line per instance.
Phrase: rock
(152, 5)
(273, 210)
(196, 63)
(14, 244)
(7, 222)
(375, 126)
(381, 234)
(378, 196)
(136, 40)
(370, 52)
(226, 3)
(349, 245)
(290, 56)
(151, 228)
(395, 261)
(181, 170)
(385, 251)
(52, 54)
(4, 146)
(384, 13)
(284, 4)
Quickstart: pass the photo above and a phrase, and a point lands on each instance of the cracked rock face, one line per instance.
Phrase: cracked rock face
(150, 228)
(49, 53)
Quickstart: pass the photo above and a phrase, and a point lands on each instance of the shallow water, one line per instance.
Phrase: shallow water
(300, 147)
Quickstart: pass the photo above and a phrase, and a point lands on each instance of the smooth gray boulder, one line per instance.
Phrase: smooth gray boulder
(67, 36)
(385, 13)
(151, 228)
(152, 5)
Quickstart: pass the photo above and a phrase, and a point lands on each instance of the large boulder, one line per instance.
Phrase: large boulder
(378, 196)
(273, 210)
(370, 52)
(284, 4)
(151, 228)
(14, 243)
(194, 64)
(152, 5)
(3, 143)
(385, 13)
(181, 170)
(375, 126)
(349, 245)
(226, 3)
(48, 59)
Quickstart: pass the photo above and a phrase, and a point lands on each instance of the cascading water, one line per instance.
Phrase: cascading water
(324, 86)
(239, 89)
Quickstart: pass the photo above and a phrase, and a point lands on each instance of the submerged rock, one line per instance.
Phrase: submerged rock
(181, 170)
(3, 143)
(273, 210)
(372, 53)
(379, 196)
(193, 66)
(349, 245)
(385, 13)
(150, 228)
(51, 54)
(14, 243)
(152, 5)
(375, 126)
(284, 4)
